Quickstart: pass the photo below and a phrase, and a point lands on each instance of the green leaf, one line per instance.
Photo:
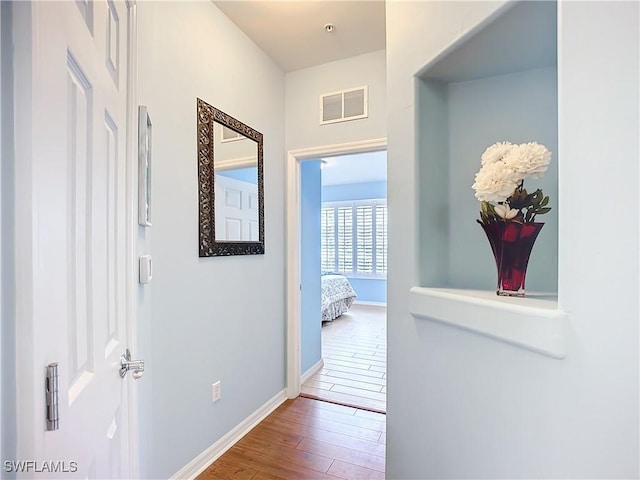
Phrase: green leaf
(544, 201)
(542, 211)
(537, 198)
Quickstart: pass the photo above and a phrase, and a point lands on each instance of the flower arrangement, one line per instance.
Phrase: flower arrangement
(501, 177)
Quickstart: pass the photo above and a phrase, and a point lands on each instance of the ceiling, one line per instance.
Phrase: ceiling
(292, 32)
(357, 168)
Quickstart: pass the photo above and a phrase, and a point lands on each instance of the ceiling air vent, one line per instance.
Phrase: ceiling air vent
(344, 105)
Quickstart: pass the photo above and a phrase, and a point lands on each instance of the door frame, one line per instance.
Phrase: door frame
(5, 61)
(133, 285)
(28, 375)
(293, 233)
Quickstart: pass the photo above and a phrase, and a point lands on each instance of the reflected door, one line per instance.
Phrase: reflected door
(236, 209)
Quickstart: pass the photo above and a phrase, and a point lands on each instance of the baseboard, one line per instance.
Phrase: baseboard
(373, 304)
(198, 465)
(312, 371)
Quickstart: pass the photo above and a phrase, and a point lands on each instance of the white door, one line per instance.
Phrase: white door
(236, 209)
(73, 232)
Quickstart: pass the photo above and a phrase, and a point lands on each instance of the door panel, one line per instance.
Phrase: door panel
(80, 351)
(80, 230)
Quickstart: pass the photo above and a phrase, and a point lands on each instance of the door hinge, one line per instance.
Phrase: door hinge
(51, 392)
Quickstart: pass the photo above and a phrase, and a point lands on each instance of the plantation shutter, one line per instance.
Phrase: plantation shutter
(328, 239)
(345, 239)
(381, 239)
(354, 238)
(364, 228)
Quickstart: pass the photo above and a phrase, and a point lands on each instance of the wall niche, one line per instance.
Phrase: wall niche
(498, 83)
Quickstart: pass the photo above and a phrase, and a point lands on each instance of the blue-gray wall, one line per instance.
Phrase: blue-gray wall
(222, 317)
(372, 290)
(456, 122)
(311, 324)
(354, 191)
(368, 289)
(482, 112)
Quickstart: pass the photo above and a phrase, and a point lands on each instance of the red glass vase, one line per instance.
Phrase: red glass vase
(511, 243)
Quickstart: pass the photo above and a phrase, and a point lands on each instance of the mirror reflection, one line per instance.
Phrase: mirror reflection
(230, 180)
(236, 185)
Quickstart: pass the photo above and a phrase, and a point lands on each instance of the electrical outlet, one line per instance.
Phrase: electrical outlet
(215, 392)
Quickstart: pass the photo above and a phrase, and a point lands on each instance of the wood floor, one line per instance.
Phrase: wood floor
(354, 350)
(306, 439)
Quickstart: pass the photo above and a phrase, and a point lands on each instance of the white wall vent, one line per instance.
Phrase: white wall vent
(344, 105)
(228, 135)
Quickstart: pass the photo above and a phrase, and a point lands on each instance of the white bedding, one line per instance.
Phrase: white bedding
(337, 296)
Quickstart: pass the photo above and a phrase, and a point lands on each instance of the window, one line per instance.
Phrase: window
(354, 238)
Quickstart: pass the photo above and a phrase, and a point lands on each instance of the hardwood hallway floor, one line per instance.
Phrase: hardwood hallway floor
(354, 350)
(306, 439)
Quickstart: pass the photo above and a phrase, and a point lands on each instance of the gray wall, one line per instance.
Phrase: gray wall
(462, 405)
(310, 304)
(8, 427)
(205, 319)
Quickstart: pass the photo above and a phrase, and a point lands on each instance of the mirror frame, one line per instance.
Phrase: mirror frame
(209, 247)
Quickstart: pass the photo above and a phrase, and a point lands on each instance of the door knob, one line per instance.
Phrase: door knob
(126, 364)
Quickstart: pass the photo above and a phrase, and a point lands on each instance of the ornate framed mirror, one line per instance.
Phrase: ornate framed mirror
(230, 183)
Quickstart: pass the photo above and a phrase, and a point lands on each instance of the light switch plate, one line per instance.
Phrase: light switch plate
(216, 392)
(145, 269)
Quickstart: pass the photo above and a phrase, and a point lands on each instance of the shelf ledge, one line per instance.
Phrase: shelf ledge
(533, 322)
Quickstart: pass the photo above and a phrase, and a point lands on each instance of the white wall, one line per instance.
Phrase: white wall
(466, 406)
(205, 319)
(304, 88)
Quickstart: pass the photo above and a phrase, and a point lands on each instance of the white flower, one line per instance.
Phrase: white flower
(528, 160)
(504, 211)
(495, 182)
(496, 152)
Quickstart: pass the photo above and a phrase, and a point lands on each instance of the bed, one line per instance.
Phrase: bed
(337, 296)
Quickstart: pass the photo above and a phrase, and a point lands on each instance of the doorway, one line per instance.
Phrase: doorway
(354, 363)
